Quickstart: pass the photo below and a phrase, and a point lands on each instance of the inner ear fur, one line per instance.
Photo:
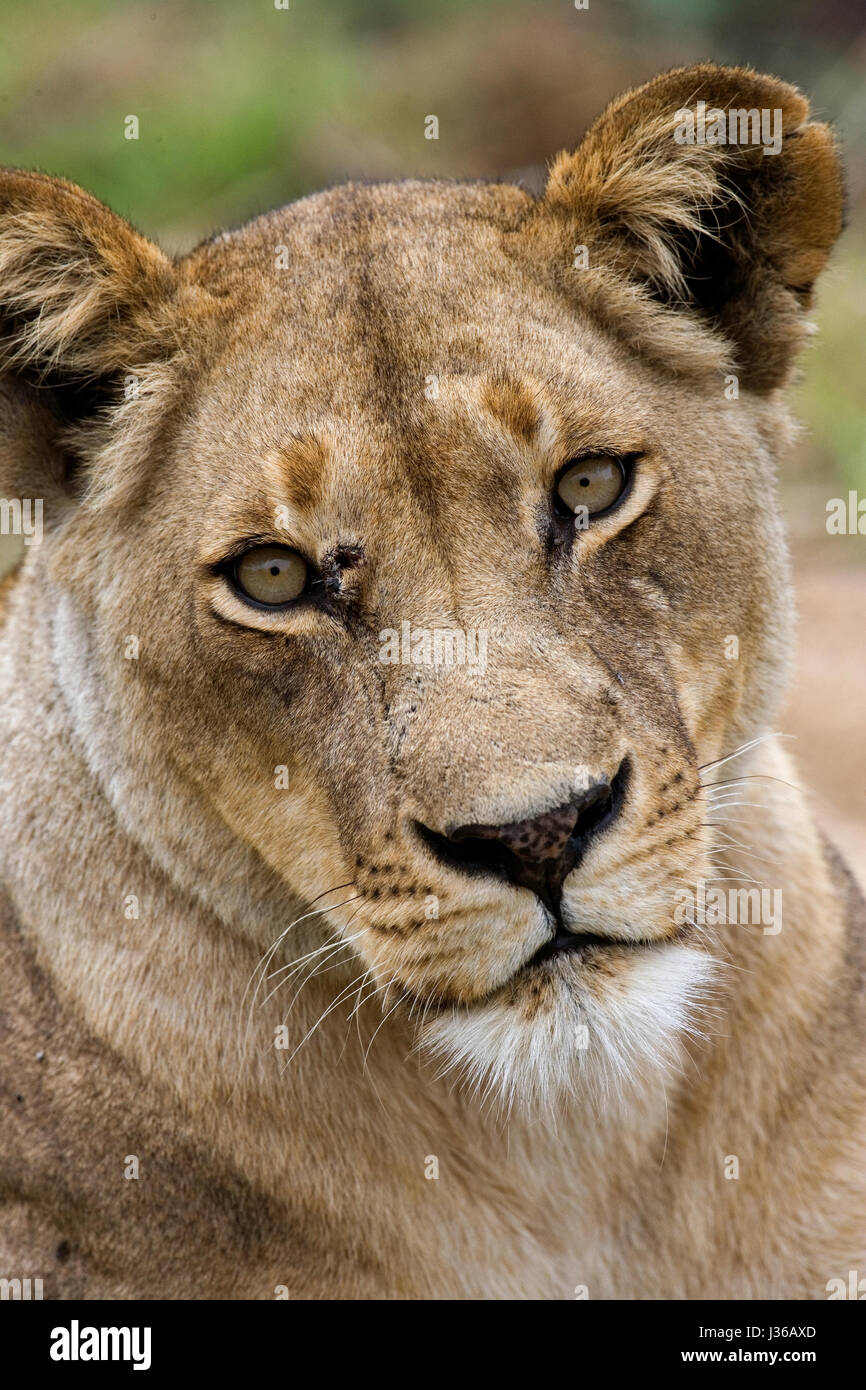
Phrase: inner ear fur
(82, 293)
(85, 300)
(725, 232)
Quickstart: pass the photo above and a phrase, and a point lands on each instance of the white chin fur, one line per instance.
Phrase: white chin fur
(589, 1033)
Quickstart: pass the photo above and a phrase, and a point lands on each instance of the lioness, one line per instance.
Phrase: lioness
(344, 960)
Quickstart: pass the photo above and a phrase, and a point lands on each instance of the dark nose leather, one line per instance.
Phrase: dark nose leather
(540, 852)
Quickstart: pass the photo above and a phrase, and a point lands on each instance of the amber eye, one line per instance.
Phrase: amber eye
(271, 575)
(595, 482)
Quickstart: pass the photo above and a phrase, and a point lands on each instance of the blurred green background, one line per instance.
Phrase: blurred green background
(243, 106)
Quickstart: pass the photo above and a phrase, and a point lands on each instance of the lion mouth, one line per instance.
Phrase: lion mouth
(562, 945)
(564, 942)
(574, 943)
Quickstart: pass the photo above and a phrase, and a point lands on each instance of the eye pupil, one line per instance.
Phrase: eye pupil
(584, 482)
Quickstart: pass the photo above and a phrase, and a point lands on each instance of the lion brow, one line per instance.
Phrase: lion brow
(302, 461)
(514, 405)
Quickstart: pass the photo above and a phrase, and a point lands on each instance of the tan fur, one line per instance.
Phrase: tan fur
(251, 779)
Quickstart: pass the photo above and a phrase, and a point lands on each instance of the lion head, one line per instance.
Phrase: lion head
(438, 521)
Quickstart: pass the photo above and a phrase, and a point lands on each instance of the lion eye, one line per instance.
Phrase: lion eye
(595, 482)
(271, 575)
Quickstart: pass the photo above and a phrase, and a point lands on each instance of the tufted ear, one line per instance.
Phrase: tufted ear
(85, 300)
(710, 192)
(80, 289)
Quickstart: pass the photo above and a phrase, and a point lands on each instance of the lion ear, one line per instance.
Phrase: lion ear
(82, 294)
(711, 191)
(86, 304)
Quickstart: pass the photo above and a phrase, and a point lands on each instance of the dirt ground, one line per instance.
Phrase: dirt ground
(826, 711)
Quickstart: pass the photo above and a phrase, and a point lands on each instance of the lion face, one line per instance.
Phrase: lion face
(452, 573)
(507, 817)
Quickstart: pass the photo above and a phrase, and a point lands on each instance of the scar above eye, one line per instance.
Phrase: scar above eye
(342, 557)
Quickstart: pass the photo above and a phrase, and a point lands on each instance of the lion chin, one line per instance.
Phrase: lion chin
(597, 1030)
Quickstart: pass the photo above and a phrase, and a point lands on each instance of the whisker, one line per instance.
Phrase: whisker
(337, 946)
(751, 777)
(330, 1009)
(384, 1020)
(294, 965)
(738, 752)
(324, 953)
(268, 957)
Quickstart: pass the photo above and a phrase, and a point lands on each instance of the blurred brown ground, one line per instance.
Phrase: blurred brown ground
(826, 710)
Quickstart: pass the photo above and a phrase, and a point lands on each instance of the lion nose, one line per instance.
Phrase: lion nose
(538, 852)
